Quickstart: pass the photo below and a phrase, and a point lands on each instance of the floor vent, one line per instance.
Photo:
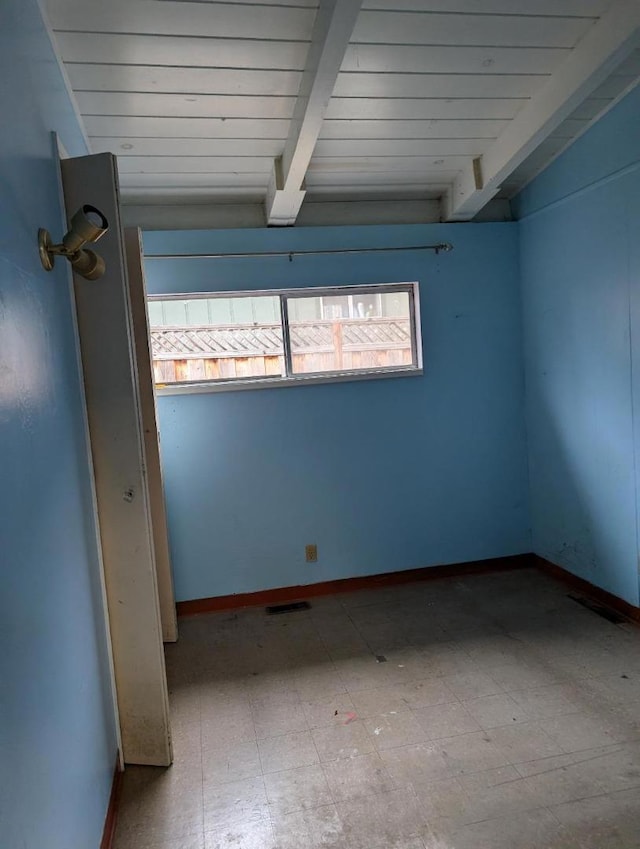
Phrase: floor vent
(605, 612)
(288, 608)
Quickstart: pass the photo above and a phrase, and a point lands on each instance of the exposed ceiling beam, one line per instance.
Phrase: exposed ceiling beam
(601, 50)
(332, 30)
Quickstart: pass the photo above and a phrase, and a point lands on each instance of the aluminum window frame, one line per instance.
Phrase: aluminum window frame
(290, 378)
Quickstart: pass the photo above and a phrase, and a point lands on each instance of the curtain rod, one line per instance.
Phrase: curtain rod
(443, 246)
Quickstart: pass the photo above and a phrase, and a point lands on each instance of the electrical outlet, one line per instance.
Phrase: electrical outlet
(311, 553)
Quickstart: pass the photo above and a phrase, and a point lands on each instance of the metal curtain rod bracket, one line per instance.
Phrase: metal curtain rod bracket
(445, 247)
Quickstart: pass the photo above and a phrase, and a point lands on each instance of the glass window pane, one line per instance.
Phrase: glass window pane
(215, 339)
(358, 331)
(197, 312)
(305, 309)
(154, 311)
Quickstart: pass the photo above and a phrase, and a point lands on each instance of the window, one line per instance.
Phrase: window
(237, 339)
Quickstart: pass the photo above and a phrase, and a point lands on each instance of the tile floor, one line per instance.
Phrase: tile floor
(505, 716)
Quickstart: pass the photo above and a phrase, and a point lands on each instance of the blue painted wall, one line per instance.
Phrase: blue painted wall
(383, 475)
(57, 737)
(580, 267)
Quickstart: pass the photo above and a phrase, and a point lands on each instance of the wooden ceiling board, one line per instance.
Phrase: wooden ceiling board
(220, 180)
(192, 194)
(398, 164)
(305, 4)
(194, 128)
(395, 27)
(552, 8)
(127, 146)
(186, 51)
(416, 129)
(194, 164)
(428, 109)
(452, 59)
(139, 78)
(457, 86)
(386, 192)
(327, 149)
(181, 105)
(219, 20)
(341, 148)
(319, 180)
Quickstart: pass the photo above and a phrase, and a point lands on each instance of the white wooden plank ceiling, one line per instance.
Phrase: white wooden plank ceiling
(279, 102)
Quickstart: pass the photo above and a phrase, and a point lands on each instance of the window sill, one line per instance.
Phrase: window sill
(197, 388)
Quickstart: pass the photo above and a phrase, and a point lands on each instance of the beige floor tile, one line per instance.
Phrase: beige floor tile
(472, 752)
(297, 789)
(610, 821)
(266, 701)
(364, 672)
(161, 803)
(268, 682)
(319, 682)
(233, 724)
(314, 828)
(342, 741)
(475, 797)
(393, 819)
(247, 835)
(425, 693)
(615, 767)
(524, 741)
(381, 700)
(163, 828)
(226, 805)
(444, 800)
(579, 731)
(127, 840)
(563, 784)
(496, 793)
(526, 830)
(545, 702)
(275, 719)
(419, 763)
(441, 659)
(471, 685)
(334, 710)
(494, 711)
(287, 752)
(445, 721)
(351, 778)
(549, 764)
(521, 675)
(231, 763)
(395, 729)
(186, 740)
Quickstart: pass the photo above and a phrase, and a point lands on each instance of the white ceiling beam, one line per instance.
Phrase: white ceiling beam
(332, 30)
(597, 54)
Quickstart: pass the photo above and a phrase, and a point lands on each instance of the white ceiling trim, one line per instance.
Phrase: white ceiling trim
(601, 50)
(332, 30)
